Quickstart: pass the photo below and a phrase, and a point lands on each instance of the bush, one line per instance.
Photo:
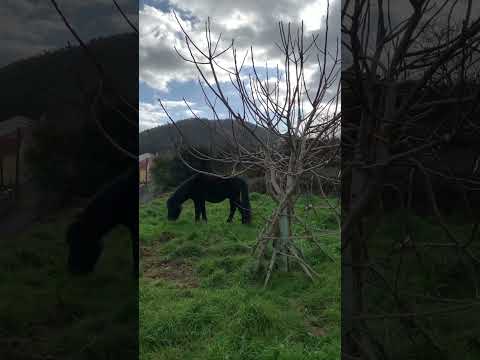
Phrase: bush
(69, 156)
(170, 172)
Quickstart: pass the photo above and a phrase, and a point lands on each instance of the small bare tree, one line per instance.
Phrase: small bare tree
(298, 115)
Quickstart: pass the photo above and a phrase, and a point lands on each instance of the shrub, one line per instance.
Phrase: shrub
(170, 172)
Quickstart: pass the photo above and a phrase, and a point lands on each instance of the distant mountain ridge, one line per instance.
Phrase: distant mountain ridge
(31, 85)
(199, 133)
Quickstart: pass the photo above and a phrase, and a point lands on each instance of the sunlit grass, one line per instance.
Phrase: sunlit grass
(223, 312)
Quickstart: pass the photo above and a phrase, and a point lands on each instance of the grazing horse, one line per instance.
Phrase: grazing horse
(201, 188)
(116, 204)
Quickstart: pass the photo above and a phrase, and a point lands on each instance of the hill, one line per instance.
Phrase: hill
(32, 85)
(199, 133)
(67, 153)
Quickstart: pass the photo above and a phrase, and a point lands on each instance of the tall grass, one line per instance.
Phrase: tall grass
(46, 313)
(207, 304)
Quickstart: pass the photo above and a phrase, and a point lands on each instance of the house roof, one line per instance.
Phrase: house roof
(8, 127)
(145, 156)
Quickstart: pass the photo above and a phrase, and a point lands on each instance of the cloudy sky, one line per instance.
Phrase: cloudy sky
(163, 75)
(452, 13)
(30, 27)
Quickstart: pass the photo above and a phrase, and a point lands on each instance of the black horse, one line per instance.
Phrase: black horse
(201, 188)
(116, 204)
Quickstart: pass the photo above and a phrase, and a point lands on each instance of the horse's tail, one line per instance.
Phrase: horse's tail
(245, 200)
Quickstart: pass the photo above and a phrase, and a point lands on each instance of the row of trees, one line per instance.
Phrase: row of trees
(169, 170)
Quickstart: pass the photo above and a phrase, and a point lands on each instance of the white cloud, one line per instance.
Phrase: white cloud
(176, 103)
(151, 115)
(313, 15)
(237, 20)
(159, 64)
(249, 22)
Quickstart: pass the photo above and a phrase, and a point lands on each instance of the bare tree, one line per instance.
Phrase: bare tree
(299, 116)
(106, 94)
(405, 74)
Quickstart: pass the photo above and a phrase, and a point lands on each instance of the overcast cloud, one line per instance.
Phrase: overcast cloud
(251, 23)
(30, 27)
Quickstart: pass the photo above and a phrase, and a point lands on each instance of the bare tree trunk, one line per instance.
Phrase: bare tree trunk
(285, 219)
(285, 234)
(2, 180)
(352, 259)
(17, 165)
(283, 240)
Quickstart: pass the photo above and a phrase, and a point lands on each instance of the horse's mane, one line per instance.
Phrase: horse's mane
(180, 193)
(113, 204)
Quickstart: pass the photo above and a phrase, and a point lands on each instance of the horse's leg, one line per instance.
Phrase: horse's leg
(198, 210)
(238, 203)
(204, 210)
(233, 207)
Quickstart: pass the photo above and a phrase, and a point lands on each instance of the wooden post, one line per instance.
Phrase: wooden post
(17, 164)
(146, 171)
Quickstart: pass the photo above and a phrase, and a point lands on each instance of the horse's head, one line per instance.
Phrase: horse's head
(84, 249)
(174, 210)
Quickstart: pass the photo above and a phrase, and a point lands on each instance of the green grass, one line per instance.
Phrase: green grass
(46, 313)
(199, 299)
(433, 280)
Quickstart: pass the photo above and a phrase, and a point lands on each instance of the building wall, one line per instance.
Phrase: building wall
(9, 162)
(144, 166)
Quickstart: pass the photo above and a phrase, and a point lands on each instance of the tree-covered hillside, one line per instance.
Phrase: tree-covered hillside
(200, 133)
(32, 85)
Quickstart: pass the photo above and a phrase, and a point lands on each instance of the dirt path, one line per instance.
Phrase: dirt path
(176, 272)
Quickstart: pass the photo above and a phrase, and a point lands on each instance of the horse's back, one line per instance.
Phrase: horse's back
(215, 189)
(117, 202)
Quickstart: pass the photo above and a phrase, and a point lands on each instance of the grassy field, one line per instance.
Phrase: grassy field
(432, 279)
(199, 300)
(47, 314)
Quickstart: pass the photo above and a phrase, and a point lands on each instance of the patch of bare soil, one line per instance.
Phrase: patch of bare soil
(166, 236)
(175, 272)
(315, 330)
